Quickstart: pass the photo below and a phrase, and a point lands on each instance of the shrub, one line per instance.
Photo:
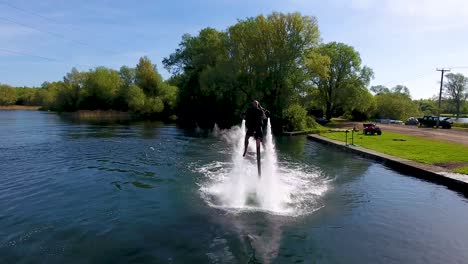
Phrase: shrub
(295, 117)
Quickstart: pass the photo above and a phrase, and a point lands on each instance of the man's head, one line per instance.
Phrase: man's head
(255, 104)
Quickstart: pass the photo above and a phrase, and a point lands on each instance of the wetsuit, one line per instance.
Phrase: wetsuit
(254, 121)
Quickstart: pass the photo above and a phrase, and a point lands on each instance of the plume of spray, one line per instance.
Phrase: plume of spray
(235, 185)
(272, 195)
(216, 130)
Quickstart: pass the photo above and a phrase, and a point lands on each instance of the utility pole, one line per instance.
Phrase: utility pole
(442, 71)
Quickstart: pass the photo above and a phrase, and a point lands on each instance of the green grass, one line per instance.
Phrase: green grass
(453, 115)
(463, 170)
(409, 147)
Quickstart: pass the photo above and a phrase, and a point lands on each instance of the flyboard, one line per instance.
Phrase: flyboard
(250, 157)
(259, 165)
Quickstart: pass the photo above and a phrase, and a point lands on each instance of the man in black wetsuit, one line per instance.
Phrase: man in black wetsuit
(254, 117)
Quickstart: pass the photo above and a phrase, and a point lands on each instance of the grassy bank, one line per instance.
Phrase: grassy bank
(19, 107)
(429, 151)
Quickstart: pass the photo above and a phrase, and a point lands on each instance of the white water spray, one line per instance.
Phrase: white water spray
(216, 130)
(290, 189)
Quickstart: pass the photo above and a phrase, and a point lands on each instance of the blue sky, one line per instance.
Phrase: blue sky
(403, 41)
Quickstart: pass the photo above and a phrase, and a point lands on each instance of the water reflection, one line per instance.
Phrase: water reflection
(96, 128)
(259, 235)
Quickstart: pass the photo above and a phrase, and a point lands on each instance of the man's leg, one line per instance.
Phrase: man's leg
(246, 144)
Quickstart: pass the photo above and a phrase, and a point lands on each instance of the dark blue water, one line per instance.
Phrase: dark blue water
(130, 193)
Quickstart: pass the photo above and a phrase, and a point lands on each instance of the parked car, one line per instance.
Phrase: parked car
(322, 120)
(371, 129)
(412, 121)
(431, 121)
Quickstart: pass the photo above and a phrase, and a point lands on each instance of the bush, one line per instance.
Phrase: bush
(7, 95)
(295, 117)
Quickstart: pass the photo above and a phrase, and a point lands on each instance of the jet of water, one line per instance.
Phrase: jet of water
(216, 130)
(236, 185)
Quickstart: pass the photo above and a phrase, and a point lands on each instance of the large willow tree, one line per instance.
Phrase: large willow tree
(344, 87)
(261, 58)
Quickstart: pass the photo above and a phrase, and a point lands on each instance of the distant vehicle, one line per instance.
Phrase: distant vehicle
(412, 121)
(431, 121)
(322, 120)
(389, 121)
(371, 129)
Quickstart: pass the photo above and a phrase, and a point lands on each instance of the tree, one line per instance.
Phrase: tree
(261, 58)
(401, 89)
(56, 96)
(7, 95)
(397, 106)
(457, 90)
(127, 75)
(379, 89)
(427, 106)
(147, 77)
(345, 78)
(100, 89)
(74, 81)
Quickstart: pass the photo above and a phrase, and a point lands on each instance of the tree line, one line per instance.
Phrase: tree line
(140, 90)
(277, 59)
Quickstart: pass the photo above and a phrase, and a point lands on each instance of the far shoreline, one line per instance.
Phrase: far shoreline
(20, 107)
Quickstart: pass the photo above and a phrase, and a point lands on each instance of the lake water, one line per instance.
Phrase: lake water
(145, 192)
(461, 119)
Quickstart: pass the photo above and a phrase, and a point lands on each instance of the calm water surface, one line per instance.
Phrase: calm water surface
(130, 193)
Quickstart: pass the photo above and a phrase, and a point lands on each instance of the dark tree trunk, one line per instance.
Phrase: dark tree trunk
(328, 111)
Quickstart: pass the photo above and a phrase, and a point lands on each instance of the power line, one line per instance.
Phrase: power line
(44, 31)
(29, 12)
(459, 67)
(27, 54)
(416, 77)
(45, 58)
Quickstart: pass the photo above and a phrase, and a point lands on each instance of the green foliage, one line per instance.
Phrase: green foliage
(49, 95)
(107, 89)
(147, 77)
(457, 90)
(296, 118)
(127, 75)
(396, 106)
(427, 106)
(27, 96)
(312, 124)
(379, 89)
(263, 58)
(361, 105)
(401, 89)
(346, 81)
(396, 103)
(7, 95)
(100, 88)
(153, 105)
(135, 98)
